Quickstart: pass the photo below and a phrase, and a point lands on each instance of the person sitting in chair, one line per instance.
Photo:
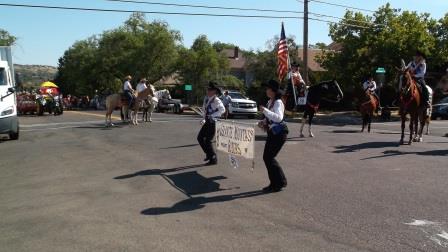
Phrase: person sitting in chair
(128, 90)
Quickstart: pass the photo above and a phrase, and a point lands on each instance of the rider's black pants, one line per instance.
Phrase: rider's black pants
(205, 137)
(274, 144)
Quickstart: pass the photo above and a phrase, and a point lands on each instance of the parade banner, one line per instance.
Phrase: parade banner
(235, 139)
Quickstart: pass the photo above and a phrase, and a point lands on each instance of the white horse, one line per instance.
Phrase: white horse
(162, 94)
(148, 107)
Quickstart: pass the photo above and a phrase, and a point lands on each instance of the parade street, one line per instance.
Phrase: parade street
(70, 184)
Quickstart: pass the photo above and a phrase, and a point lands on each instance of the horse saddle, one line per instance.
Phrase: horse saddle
(124, 100)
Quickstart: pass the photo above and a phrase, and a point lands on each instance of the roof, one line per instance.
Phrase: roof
(235, 61)
(171, 80)
(335, 46)
(313, 65)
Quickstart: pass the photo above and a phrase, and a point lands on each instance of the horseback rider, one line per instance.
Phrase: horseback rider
(128, 90)
(141, 86)
(417, 68)
(297, 79)
(370, 87)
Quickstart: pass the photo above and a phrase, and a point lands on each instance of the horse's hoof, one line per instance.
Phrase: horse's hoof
(302, 135)
(420, 140)
(311, 135)
(401, 142)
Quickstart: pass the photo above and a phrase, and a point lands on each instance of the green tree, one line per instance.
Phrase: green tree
(6, 39)
(394, 35)
(139, 48)
(200, 64)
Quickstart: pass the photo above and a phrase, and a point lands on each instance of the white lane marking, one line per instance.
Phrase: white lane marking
(44, 129)
(434, 230)
(92, 124)
(56, 124)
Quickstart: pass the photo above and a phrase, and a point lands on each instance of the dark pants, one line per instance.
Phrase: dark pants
(421, 83)
(274, 144)
(205, 137)
(129, 96)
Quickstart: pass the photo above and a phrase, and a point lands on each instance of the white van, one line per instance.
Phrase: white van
(9, 123)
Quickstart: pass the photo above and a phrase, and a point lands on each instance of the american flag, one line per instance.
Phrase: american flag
(282, 69)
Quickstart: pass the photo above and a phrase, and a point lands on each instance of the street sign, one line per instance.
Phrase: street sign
(188, 87)
(380, 70)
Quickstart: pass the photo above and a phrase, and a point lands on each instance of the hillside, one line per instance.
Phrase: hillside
(33, 75)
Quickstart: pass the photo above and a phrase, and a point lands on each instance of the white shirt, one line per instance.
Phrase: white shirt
(369, 85)
(276, 113)
(419, 69)
(141, 87)
(127, 86)
(297, 78)
(216, 106)
(226, 100)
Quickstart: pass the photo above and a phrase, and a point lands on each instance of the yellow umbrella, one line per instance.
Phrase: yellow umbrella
(49, 84)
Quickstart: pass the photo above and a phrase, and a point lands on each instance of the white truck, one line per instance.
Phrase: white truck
(9, 123)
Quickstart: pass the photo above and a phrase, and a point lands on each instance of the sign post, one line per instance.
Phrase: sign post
(188, 88)
(380, 75)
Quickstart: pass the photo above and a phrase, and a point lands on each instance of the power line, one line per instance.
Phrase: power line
(343, 24)
(145, 12)
(343, 6)
(347, 19)
(172, 13)
(204, 6)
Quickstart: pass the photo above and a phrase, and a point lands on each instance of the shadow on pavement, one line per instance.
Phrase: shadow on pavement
(196, 203)
(364, 146)
(153, 172)
(392, 153)
(193, 183)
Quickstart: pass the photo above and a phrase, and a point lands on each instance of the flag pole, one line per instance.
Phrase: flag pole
(292, 80)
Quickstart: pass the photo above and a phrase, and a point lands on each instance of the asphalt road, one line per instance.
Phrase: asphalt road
(69, 184)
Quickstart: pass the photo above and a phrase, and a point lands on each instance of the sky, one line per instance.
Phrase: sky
(44, 35)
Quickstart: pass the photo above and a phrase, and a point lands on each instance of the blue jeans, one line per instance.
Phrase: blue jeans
(129, 96)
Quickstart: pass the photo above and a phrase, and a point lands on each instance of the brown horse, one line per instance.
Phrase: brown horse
(116, 101)
(367, 108)
(410, 103)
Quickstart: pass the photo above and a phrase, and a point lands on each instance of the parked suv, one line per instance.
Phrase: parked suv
(440, 110)
(241, 105)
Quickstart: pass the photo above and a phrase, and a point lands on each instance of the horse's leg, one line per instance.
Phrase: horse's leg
(107, 116)
(411, 128)
(303, 125)
(369, 121)
(363, 122)
(403, 126)
(427, 122)
(422, 126)
(310, 123)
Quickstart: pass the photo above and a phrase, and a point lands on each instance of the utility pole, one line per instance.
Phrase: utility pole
(305, 41)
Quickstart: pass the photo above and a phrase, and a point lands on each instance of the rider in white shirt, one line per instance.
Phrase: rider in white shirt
(370, 86)
(128, 90)
(141, 86)
(418, 69)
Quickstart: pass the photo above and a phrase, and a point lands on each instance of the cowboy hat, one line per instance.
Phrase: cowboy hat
(295, 64)
(128, 77)
(274, 85)
(214, 86)
(420, 53)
